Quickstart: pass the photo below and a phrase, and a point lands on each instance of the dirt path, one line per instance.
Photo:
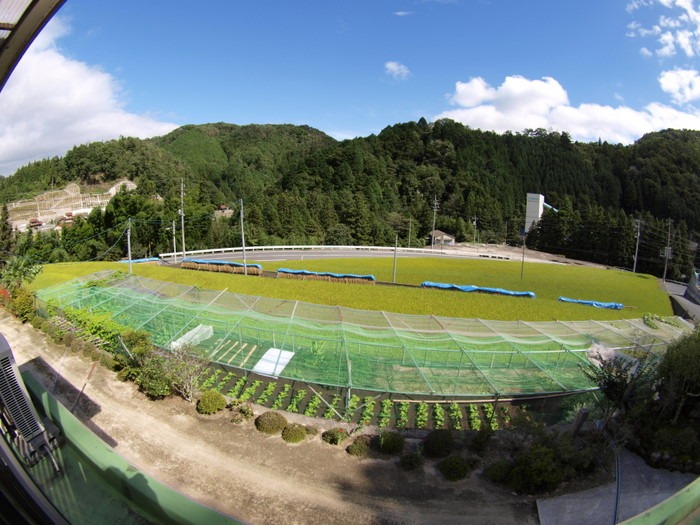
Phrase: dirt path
(258, 480)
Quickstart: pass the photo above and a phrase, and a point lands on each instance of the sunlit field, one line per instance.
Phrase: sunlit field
(639, 293)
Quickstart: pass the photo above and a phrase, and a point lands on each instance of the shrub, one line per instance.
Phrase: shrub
(270, 422)
(294, 433)
(454, 468)
(536, 471)
(481, 439)
(67, 339)
(152, 378)
(211, 402)
(359, 447)
(36, 321)
(411, 461)
(334, 436)
(499, 471)
(677, 441)
(246, 411)
(438, 444)
(241, 413)
(391, 443)
(22, 304)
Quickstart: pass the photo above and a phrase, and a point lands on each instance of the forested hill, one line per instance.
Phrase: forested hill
(299, 185)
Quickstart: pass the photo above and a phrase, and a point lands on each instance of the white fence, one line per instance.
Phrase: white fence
(386, 249)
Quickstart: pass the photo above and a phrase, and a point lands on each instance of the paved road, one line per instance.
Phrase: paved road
(676, 291)
(642, 487)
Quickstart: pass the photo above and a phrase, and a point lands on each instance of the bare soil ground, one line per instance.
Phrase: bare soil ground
(256, 479)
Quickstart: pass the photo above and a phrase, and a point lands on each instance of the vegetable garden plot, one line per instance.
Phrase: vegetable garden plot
(368, 350)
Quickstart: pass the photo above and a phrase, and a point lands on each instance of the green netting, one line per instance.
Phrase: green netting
(371, 350)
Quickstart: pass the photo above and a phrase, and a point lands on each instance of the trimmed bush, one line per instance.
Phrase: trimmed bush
(270, 422)
(22, 304)
(334, 436)
(454, 468)
(411, 461)
(390, 443)
(438, 444)
(37, 321)
(294, 433)
(359, 447)
(211, 402)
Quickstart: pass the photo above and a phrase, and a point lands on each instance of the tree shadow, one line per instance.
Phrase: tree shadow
(62, 391)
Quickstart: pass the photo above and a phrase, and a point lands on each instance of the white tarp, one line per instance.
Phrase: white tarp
(273, 362)
(195, 336)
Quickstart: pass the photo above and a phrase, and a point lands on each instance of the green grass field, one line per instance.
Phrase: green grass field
(639, 293)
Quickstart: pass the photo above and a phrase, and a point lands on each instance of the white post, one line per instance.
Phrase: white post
(396, 249)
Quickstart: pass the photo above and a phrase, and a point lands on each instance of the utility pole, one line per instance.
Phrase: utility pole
(638, 223)
(245, 265)
(182, 214)
(174, 246)
(476, 232)
(667, 251)
(436, 206)
(410, 224)
(128, 243)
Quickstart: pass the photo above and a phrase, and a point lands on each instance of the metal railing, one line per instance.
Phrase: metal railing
(390, 249)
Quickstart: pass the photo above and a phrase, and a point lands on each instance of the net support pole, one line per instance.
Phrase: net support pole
(347, 401)
(128, 243)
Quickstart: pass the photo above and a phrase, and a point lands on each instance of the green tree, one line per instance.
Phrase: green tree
(679, 376)
(17, 271)
(6, 235)
(185, 366)
(625, 383)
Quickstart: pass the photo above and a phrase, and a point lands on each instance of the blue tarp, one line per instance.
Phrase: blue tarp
(472, 288)
(148, 259)
(597, 304)
(227, 263)
(327, 274)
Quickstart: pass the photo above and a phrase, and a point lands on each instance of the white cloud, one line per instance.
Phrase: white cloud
(520, 103)
(403, 13)
(396, 70)
(681, 31)
(52, 103)
(682, 84)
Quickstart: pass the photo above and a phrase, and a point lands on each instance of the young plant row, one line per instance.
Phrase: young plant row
(365, 411)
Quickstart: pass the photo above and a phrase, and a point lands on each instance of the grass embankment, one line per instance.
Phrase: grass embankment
(639, 293)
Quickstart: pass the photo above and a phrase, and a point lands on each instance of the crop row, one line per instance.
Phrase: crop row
(367, 410)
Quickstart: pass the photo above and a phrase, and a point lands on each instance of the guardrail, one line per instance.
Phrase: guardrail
(190, 253)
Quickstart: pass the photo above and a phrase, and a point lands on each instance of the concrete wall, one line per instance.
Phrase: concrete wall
(158, 503)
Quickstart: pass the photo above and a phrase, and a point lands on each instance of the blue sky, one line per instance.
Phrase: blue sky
(604, 69)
